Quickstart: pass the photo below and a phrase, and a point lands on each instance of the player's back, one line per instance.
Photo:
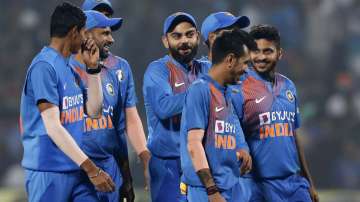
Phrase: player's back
(40, 153)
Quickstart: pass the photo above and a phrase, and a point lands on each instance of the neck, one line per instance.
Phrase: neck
(217, 75)
(189, 64)
(60, 45)
(268, 76)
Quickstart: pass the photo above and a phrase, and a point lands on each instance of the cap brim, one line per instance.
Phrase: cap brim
(115, 23)
(242, 21)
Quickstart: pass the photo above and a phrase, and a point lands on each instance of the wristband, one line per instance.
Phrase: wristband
(94, 71)
(212, 190)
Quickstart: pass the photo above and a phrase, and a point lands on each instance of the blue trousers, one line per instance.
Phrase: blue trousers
(59, 187)
(165, 176)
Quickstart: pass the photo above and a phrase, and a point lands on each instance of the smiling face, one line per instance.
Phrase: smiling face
(266, 57)
(182, 42)
(103, 39)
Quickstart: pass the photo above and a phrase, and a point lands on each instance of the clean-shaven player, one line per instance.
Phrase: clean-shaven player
(165, 83)
(53, 107)
(213, 148)
(129, 121)
(266, 103)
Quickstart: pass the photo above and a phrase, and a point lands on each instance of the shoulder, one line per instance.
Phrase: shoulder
(287, 81)
(157, 67)
(199, 86)
(205, 63)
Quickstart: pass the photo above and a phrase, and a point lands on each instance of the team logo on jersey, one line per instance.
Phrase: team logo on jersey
(290, 96)
(110, 89)
(219, 126)
(120, 75)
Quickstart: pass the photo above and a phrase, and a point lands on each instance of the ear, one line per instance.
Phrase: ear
(211, 38)
(165, 41)
(230, 60)
(281, 52)
(73, 32)
(198, 37)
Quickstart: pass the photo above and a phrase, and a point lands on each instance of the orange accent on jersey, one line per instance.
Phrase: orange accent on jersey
(225, 141)
(276, 130)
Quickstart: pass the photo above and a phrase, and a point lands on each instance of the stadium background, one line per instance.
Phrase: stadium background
(321, 39)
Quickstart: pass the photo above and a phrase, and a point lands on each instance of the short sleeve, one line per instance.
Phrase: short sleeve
(43, 82)
(131, 99)
(197, 107)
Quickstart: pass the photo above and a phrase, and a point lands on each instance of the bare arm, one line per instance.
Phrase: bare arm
(135, 130)
(58, 134)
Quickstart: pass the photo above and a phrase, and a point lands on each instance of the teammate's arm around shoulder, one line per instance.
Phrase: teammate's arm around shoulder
(50, 115)
(90, 54)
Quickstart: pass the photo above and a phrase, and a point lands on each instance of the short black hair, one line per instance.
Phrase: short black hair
(267, 32)
(65, 17)
(104, 8)
(179, 19)
(217, 31)
(231, 41)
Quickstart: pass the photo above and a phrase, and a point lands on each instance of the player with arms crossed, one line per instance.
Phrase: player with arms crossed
(267, 106)
(52, 110)
(129, 122)
(213, 148)
(165, 83)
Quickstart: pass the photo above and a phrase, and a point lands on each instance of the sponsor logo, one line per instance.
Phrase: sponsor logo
(218, 109)
(179, 84)
(224, 127)
(71, 101)
(269, 117)
(258, 100)
(219, 126)
(290, 96)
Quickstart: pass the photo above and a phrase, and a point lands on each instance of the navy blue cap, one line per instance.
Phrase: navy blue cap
(95, 19)
(221, 20)
(178, 17)
(91, 4)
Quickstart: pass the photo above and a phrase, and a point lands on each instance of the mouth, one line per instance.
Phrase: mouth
(106, 48)
(185, 51)
(261, 64)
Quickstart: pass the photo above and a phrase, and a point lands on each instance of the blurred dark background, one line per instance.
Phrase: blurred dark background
(321, 39)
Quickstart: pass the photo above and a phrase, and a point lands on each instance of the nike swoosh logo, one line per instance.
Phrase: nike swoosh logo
(217, 109)
(179, 84)
(257, 101)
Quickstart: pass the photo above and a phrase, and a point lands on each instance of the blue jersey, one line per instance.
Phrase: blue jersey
(165, 85)
(50, 78)
(208, 106)
(269, 116)
(103, 136)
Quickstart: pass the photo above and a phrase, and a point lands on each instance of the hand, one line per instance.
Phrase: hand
(313, 194)
(90, 53)
(145, 158)
(245, 157)
(127, 192)
(216, 198)
(102, 181)
(99, 178)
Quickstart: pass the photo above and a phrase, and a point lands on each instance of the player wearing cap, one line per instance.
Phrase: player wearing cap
(52, 110)
(213, 148)
(129, 122)
(267, 106)
(165, 83)
(101, 140)
(217, 22)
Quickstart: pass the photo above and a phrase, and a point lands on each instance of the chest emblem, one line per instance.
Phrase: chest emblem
(110, 89)
(177, 84)
(290, 96)
(258, 100)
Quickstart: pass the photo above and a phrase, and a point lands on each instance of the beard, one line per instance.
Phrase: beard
(186, 57)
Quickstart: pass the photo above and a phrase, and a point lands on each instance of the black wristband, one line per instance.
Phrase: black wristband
(212, 190)
(94, 71)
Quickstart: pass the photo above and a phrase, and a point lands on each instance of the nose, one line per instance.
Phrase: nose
(111, 39)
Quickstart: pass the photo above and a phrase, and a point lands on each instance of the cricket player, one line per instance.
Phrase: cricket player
(266, 103)
(165, 83)
(53, 107)
(129, 120)
(213, 148)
